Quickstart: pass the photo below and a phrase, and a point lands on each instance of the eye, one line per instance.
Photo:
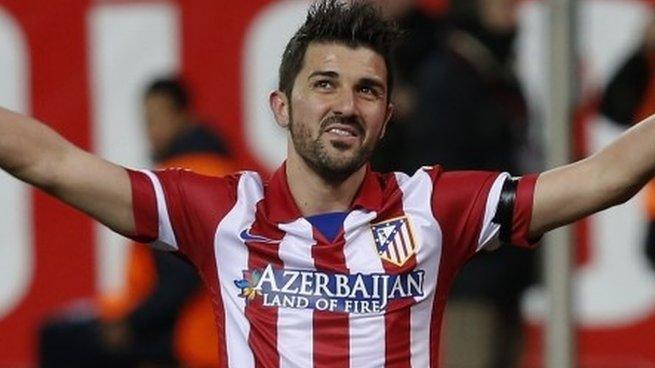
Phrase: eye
(370, 91)
(323, 84)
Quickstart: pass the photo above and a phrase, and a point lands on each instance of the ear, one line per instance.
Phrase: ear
(280, 107)
(390, 110)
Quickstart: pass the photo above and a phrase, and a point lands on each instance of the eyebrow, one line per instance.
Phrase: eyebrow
(366, 81)
(324, 73)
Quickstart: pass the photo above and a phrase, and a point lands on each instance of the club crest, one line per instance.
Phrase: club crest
(394, 240)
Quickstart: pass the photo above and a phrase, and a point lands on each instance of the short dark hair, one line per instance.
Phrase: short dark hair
(171, 87)
(356, 24)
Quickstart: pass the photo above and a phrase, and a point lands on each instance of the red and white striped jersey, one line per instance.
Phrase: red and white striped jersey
(284, 296)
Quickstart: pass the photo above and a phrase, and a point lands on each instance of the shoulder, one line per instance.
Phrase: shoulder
(204, 187)
(448, 188)
(437, 175)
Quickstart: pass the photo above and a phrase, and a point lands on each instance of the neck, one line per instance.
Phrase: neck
(314, 195)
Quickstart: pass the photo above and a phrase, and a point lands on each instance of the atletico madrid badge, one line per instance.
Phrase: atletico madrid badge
(394, 240)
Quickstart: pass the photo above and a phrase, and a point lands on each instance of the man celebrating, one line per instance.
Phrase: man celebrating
(328, 264)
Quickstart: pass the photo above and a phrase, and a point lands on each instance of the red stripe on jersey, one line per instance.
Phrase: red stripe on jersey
(206, 263)
(458, 203)
(144, 208)
(263, 320)
(331, 330)
(398, 315)
(210, 277)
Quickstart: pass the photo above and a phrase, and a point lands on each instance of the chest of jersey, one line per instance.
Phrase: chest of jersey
(378, 261)
(287, 294)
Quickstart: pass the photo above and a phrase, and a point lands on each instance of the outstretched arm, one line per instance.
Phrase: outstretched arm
(610, 177)
(34, 153)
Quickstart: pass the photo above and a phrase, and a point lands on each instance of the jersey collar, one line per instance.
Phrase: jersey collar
(280, 206)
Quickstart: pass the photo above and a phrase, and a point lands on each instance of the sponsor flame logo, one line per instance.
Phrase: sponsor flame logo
(247, 285)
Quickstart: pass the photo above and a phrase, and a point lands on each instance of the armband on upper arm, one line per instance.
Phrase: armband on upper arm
(505, 210)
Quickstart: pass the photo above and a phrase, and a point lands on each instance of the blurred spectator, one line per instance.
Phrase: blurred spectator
(163, 316)
(421, 38)
(629, 98)
(471, 115)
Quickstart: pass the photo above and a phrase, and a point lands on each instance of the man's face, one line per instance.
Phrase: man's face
(163, 121)
(338, 108)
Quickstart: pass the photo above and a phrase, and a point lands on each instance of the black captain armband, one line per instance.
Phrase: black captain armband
(505, 210)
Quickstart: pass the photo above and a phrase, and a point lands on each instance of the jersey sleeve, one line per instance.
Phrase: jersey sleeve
(178, 210)
(465, 204)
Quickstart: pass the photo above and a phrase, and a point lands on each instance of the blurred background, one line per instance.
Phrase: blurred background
(84, 66)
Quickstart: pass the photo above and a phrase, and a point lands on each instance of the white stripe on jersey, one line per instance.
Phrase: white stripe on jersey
(166, 236)
(417, 204)
(490, 230)
(231, 259)
(295, 333)
(367, 331)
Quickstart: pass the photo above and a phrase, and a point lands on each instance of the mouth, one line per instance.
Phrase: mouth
(342, 130)
(343, 137)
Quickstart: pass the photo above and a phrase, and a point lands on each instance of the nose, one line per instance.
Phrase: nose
(345, 104)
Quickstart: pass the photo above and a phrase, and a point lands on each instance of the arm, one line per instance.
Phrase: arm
(34, 153)
(610, 177)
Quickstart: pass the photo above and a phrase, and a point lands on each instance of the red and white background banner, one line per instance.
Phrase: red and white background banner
(81, 66)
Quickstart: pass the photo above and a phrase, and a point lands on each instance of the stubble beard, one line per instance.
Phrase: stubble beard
(315, 153)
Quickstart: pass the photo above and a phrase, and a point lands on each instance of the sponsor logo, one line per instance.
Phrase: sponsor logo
(394, 240)
(246, 236)
(346, 293)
